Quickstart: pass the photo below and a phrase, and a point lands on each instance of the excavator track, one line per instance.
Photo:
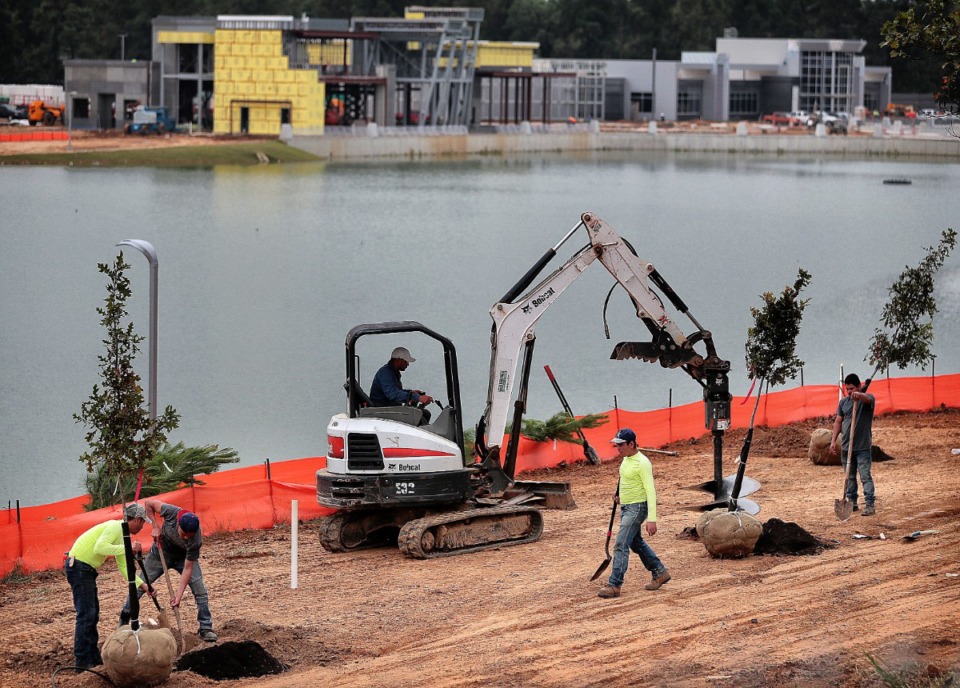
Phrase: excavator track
(450, 534)
(346, 531)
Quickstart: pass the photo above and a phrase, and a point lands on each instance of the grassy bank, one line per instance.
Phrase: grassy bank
(248, 153)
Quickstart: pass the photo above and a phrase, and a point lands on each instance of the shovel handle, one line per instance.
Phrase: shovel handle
(853, 429)
(146, 579)
(588, 452)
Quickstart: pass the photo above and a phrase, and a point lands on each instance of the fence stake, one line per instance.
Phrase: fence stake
(294, 544)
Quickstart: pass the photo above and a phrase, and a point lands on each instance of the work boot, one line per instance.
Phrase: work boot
(855, 507)
(658, 581)
(208, 635)
(868, 510)
(608, 591)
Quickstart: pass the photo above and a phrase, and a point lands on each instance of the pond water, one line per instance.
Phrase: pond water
(263, 270)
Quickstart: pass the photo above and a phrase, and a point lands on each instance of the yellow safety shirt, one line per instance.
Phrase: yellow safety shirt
(636, 483)
(102, 541)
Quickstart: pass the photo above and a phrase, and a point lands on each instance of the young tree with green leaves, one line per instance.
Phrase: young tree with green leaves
(121, 435)
(771, 352)
(911, 300)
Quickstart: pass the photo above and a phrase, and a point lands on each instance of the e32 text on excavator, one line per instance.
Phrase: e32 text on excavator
(393, 476)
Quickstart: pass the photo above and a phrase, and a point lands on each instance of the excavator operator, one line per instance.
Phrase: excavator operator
(387, 389)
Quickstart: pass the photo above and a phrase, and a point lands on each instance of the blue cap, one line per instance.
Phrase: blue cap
(188, 522)
(625, 436)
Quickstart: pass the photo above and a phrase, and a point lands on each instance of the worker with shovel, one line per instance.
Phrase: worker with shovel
(176, 545)
(856, 409)
(88, 554)
(637, 497)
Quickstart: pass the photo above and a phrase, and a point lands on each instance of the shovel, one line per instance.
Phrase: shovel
(164, 621)
(606, 562)
(588, 452)
(843, 508)
(176, 610)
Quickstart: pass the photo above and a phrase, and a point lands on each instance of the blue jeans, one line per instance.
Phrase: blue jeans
(630, 537)
(154, 568)
(862, 461)
(83, 582)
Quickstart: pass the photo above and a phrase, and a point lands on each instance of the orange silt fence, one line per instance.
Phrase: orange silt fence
(34, 136)
(260, 496)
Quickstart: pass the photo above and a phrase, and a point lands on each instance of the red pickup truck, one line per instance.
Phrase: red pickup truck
(780, 119)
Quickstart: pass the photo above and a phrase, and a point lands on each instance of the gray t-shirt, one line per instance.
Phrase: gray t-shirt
(863, 435)
(175, 548)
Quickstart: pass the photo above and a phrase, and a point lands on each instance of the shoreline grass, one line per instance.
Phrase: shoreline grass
(242, 154)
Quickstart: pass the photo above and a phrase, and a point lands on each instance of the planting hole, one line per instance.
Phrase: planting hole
(231, 660)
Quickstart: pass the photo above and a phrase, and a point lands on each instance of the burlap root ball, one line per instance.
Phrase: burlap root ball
(131, 663)
(705, 518)
(819, 452)
(731, 535)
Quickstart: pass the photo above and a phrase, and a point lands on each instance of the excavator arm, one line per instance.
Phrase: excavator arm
(513, 337)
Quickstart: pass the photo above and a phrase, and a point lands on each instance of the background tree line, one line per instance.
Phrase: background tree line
(37, 35)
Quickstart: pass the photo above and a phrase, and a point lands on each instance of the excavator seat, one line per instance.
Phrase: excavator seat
(411, 415)
(358, 394)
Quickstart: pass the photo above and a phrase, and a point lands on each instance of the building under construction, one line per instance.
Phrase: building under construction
(281, 75)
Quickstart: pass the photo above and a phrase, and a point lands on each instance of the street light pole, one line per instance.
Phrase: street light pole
(70, 97)
(123, 37)
(146, 248)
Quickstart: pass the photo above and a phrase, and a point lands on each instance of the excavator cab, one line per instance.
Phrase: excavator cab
(448, 423)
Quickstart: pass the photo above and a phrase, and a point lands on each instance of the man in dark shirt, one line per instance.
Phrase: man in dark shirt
(178, 532)
(862, 441)
(387, 389)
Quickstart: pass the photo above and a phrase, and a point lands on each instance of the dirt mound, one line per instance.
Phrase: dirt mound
(784, 441)
(231, 660)
(781, 537)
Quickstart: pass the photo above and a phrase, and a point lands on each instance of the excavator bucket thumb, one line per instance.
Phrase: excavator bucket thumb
(643, 350)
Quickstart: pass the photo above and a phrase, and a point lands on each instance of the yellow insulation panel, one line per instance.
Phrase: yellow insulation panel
(254, 74)
(328, 53)
(191, 37)
(505, 54)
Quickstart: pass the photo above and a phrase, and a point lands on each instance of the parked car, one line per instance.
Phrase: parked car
(834, 123)
(780, 119)
(9, 112)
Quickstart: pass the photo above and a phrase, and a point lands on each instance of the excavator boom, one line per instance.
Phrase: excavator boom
(513, 336)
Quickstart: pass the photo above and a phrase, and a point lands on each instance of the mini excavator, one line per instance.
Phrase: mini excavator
(393, 475)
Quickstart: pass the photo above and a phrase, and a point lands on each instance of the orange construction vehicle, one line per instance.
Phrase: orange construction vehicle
(897, 110)
(41, 112)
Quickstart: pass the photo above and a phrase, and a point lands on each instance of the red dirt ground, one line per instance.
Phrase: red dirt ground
(527, 615)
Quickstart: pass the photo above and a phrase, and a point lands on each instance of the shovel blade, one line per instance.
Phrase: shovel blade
(590, 454)
(843, 509)
(600, 569)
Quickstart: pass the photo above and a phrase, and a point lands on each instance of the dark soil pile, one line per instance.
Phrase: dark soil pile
(877, 454)
(782, 537)
(230, 661)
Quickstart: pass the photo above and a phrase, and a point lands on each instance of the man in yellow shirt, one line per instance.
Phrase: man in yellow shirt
(637, 497)
(87, 555)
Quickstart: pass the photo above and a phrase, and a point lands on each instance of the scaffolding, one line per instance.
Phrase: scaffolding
(434, 56)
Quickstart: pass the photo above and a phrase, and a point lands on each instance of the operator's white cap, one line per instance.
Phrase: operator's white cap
(402, 353)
